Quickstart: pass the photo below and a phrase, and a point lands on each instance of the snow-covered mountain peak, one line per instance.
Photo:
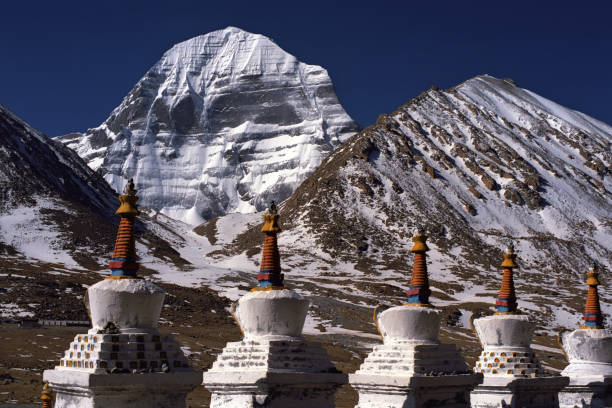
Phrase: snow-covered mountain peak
(230, 51)
(223, 122)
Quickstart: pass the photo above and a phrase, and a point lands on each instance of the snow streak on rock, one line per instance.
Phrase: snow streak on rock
(224, 122)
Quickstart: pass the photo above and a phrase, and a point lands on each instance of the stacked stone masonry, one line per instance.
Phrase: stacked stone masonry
(409, 359)
(516, 363)
(294, 354)
(98, 353)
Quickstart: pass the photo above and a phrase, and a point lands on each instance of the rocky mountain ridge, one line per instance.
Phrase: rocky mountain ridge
(57, 218)
(32, 164)
(224, 122)
(478, 165)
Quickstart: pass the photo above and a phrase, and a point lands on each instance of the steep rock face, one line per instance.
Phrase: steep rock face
(224, 122)
(31, 165)
(56, 213)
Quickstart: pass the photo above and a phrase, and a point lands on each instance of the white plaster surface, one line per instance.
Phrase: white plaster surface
(271, 313)
(413, 391)
(505, 331)
(414, 324)
(594, 394)
(590, 369)
(498, 392)
(128, 303)
(589, 346)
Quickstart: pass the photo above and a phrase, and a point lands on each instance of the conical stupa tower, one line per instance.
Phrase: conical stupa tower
(506, 299)
(513, 376)
(593, 319)
(273, 366)
(412, 368)
(589, 351)
(270, 276)
(123, 361)
(419, 291)
(124, 263)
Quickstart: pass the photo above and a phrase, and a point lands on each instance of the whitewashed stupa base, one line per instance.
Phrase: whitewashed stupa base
(289, 387)
(594, 393)
(512, 373)
(536, 392)
(397, 391)
(123, 361)
(274, 366)
(590, 370)
(412, 368)
(75, 389)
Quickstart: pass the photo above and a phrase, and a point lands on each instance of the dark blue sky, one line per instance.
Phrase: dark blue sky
(65, 65)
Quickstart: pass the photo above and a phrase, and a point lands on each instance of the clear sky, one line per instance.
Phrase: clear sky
(64, 65)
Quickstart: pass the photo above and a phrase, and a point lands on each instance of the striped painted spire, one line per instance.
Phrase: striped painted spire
(506, 299)
(418, 294)
(124, 263)
(270, 276)
(593, 319)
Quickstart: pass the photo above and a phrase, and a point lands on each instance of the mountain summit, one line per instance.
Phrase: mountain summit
(224, 122)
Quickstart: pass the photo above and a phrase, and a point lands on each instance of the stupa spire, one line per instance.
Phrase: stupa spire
(506, 299)
(593, 319)
(270, 276)
(418, 294)
(124, 264)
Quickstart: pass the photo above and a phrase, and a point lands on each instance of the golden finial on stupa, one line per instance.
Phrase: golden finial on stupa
(419, 238)
(128, 200)
(509, 257)
(271, 219)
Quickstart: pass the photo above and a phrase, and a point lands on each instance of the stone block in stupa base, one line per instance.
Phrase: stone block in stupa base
(594, 393)
(78, 389)
(273, 366)
(396, 391)
(536, 392)
(273, 389)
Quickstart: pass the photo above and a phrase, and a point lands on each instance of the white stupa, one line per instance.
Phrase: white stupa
(123, 361)
(513, 376)
(412, 368)
(589, 351)
(273, 365)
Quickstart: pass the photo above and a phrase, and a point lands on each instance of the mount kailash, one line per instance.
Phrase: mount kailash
(222, 123)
